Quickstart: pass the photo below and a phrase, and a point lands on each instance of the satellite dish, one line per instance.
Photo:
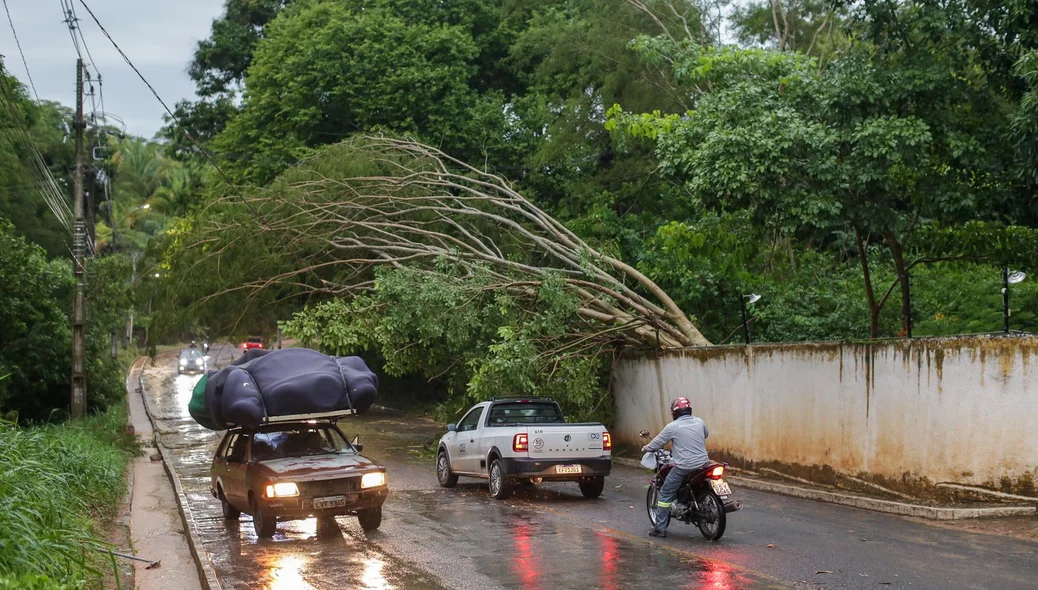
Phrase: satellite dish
(752, 298)
(1017, 277)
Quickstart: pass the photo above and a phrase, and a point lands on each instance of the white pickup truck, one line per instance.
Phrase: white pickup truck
(509, 440)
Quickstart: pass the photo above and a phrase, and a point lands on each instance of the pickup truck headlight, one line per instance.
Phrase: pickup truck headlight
(373, 480)
(282, 490)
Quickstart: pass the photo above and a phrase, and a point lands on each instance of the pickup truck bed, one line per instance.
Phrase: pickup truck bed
(524, 440)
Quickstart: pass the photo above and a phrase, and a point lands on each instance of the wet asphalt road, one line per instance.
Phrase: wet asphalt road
(548, 536)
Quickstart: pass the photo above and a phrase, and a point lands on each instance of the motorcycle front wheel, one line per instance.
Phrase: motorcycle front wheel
(712, 518)
(650, 501)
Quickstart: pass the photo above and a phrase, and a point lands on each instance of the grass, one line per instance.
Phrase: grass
(58, 483)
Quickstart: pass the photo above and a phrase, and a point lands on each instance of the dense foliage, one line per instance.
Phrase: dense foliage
(57, 481)
(34, 327)
(866, 167)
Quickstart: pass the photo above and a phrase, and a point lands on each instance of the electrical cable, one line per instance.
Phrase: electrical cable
(19, 44)
(223, 176)
(19, 134)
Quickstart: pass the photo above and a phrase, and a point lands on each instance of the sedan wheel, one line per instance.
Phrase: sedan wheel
(264, 522)
(229, 512)
(370, 518)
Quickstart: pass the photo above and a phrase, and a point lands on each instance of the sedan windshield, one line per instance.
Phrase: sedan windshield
(298, 442)
(190, 354)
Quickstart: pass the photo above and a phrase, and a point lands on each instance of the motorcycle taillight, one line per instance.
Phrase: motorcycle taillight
(716, 472)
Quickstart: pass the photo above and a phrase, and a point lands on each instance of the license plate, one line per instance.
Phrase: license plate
(720, 487)
(567, 469)
(329, 502)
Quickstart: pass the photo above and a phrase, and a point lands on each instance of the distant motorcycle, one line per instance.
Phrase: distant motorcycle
(704, 498)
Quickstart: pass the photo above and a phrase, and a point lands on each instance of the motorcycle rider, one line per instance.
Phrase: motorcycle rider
(688, 453)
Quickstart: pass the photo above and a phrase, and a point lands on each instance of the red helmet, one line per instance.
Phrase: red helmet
(680, 407)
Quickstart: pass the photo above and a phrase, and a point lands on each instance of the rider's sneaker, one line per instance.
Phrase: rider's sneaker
(655, 533)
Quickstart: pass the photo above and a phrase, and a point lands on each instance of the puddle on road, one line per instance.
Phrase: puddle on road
(524, 549)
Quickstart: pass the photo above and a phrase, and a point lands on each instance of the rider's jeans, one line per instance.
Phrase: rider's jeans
(668, 491)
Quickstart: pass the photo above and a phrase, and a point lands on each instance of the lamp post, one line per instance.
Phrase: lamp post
(1009, 278)
(115, 226)
(746, 299)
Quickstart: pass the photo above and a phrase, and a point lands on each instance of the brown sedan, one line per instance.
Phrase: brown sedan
(293, 471)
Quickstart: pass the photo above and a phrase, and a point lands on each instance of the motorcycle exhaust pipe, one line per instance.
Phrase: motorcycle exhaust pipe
(733, 506)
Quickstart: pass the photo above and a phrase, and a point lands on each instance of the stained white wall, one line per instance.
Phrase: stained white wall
(952, 409)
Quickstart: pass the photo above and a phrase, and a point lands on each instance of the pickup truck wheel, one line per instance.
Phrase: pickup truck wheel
(229, 512)
(264, 523)
(370, 518)
(443, 471)
(500, 487)
(592, 487)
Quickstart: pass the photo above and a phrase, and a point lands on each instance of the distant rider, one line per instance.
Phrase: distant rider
(688, 453)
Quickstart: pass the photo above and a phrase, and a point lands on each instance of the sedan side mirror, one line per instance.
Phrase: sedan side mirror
(356, 444)
(452, 428)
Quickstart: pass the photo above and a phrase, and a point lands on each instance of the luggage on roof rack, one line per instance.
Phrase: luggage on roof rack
(292, 384)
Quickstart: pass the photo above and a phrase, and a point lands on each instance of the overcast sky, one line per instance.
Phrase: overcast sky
(159, 36)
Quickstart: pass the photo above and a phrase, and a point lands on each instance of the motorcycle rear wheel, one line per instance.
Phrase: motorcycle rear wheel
(651, 498)
(712, 518)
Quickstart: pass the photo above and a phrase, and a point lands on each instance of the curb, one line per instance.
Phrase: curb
(873, 504)
(206, 570)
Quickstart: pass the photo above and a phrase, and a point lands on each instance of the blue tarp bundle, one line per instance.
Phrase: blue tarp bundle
(269, 383)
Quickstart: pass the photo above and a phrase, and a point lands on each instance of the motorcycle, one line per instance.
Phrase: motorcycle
(704, 498)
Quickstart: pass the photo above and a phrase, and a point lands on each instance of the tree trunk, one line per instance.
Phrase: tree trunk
(902, 273)
(873, 307)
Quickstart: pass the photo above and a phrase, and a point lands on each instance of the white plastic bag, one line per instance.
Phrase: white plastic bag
(649, 460)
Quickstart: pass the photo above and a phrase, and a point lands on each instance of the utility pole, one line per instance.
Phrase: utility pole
(78, 405)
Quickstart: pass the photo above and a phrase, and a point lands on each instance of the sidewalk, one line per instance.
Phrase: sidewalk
(156, 529)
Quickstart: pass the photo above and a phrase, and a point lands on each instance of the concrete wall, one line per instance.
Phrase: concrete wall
(926, 410)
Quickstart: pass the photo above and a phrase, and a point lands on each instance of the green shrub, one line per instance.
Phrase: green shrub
(57, 482)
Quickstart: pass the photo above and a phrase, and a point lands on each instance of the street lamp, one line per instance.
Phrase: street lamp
(1009, 278)
(115, 225)
(746, 299)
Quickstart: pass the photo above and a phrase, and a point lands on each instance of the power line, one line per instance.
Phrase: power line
(19, 134)
(169, 112)
(19, 44)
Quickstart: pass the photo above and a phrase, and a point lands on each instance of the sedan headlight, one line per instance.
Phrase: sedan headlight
(282, 490)
(373, 480)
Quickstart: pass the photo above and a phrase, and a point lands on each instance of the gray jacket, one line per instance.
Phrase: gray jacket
(689, 434)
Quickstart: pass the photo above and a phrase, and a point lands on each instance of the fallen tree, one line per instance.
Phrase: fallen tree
(442, 269)
(425, 206)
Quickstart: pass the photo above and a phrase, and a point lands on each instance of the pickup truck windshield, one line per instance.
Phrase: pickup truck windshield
(525, 413)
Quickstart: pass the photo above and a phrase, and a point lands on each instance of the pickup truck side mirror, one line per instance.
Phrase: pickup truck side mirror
(356, 444)
(452, 428)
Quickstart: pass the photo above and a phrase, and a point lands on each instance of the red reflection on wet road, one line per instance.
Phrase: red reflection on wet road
(610, 555)
(716, 575)
(524, 562)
